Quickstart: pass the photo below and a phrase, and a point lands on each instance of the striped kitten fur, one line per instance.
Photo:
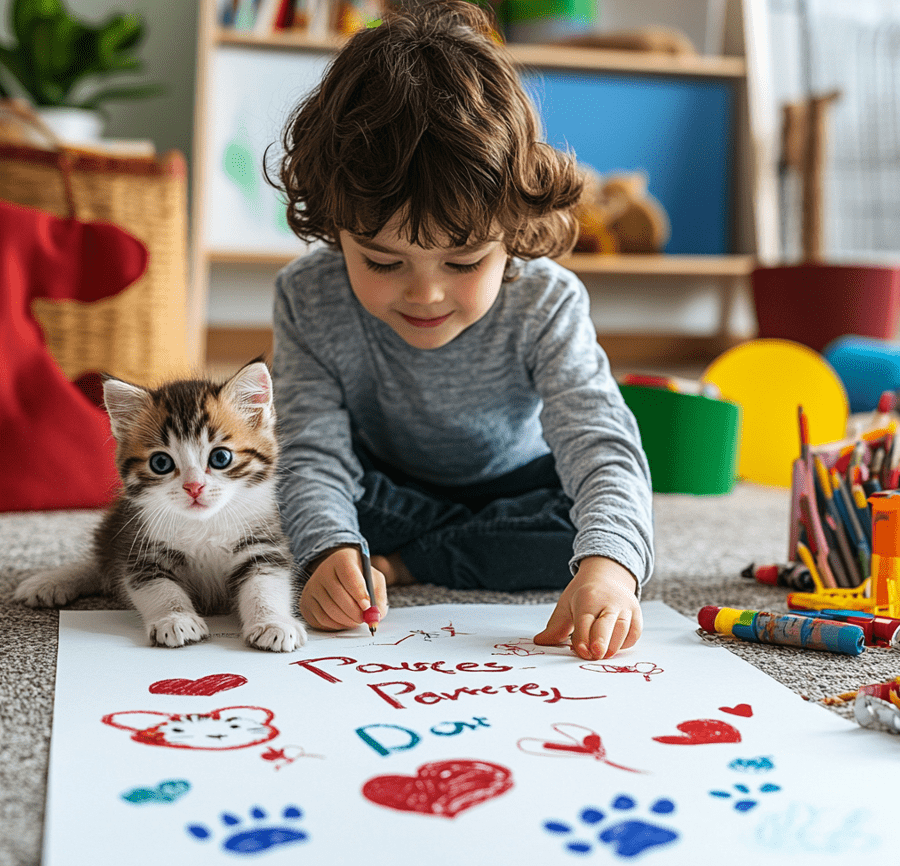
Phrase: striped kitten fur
(195, 530)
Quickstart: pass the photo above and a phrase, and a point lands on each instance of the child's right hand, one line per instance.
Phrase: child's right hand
(335, 595)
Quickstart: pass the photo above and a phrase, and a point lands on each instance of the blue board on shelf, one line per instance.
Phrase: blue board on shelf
(679, 131)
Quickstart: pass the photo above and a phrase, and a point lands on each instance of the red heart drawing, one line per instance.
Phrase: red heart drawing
(698, 732)
(443, 788)
(204, 686)
(744, 710)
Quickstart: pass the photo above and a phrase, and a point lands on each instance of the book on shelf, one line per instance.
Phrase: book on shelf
(316, 18)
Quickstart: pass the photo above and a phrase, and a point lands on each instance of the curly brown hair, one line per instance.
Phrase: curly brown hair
(425, 116)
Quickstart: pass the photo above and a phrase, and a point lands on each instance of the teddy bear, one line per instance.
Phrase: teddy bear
(617, 214)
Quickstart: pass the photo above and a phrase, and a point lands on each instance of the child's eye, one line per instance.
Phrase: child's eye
(465, 269)
(380, 268)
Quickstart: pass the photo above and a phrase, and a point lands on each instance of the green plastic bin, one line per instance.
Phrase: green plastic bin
(692, 441)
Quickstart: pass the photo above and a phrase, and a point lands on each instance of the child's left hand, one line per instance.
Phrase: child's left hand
(598, 608)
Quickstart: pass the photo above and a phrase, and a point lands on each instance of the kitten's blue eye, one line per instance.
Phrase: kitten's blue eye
(220, 458)
(161, 463)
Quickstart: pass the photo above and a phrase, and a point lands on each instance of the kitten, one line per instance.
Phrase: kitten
(196, 526)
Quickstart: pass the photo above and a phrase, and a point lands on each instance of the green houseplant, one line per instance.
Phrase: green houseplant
(57, 61)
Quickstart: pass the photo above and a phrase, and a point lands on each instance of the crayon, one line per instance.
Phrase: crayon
(816, 542)
(371, 616)
(807, 559)
(783, 629)
(849, 569)
(878, 630)
(794, 575)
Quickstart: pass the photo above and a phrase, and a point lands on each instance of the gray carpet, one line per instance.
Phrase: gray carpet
(702, 545)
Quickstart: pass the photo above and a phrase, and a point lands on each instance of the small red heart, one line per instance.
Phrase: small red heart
(443, 788)
(206, 686)
(701, 731)
(744, 710)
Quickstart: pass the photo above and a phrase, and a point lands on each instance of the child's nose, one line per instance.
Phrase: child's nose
(423, 290)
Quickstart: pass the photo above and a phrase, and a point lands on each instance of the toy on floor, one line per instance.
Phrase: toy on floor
(867, 367)
(768, 379)
(878, 706)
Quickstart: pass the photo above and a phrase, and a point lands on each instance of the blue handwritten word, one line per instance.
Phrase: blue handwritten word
(402, 739)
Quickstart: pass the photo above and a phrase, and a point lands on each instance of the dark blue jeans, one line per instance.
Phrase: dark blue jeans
(512, 533)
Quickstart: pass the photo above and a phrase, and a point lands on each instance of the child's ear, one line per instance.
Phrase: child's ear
(250, 392)
(123, 403)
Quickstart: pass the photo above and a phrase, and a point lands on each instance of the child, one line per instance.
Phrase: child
(438, 382)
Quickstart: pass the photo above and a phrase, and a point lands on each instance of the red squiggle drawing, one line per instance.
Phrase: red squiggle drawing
(427, 636)
(286, 755)
(645, 669)
(578, 742)
(519, 647)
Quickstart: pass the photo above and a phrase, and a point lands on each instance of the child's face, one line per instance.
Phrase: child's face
(428, 296)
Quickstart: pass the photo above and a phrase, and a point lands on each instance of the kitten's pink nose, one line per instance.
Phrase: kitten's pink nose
(194, 488)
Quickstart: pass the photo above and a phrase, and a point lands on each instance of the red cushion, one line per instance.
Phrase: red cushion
(58, 445)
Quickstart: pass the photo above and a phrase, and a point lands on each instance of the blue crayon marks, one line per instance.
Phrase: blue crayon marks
(262, 835)
(164, 792)
(745, 803)
(627, 838)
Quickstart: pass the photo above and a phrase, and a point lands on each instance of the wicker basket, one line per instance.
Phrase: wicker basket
(140, 334)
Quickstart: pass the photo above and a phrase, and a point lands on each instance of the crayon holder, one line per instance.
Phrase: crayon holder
(691, 440)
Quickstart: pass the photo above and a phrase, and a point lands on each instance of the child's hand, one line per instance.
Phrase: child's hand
(598, 609)
(335, 595)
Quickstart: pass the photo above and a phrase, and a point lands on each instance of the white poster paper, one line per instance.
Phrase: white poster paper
(448, 738)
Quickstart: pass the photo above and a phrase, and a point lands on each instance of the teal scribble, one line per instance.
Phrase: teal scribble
(164, 792)
(761, 764)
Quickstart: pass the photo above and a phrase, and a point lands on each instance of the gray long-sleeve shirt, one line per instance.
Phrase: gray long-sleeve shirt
(528, 378)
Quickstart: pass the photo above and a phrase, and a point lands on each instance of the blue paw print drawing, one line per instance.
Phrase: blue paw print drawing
(745, 803)
(261, 835)
(628, 837)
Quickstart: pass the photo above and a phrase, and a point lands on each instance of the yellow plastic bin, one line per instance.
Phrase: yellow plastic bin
(692, 441)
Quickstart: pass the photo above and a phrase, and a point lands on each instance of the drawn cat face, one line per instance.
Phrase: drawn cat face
(228, 728)
(190, 447)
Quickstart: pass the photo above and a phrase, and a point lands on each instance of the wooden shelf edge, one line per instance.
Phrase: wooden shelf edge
(660, 265)
(551, 56)
(580, 263)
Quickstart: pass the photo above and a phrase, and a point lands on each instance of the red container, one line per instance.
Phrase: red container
(813, 304)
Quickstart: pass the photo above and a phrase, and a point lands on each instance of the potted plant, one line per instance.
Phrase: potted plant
(67, 68)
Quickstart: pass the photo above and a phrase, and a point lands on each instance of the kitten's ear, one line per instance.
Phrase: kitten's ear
(250, 392)
(123, 402)
(136, 720)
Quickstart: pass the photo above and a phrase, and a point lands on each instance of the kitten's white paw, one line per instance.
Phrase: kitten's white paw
(44, 590)
(281, 635)
(177, 629)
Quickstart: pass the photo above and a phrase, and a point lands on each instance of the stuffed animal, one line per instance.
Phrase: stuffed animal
(618, 215)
